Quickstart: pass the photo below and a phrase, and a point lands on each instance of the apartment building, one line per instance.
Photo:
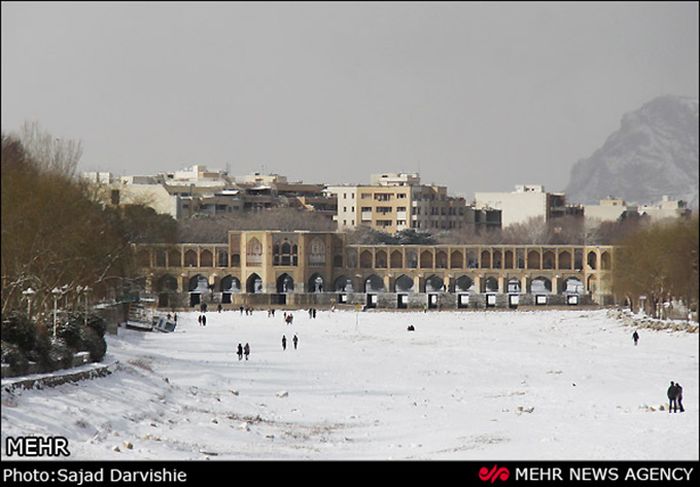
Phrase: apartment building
(528, 201)
(397, 201)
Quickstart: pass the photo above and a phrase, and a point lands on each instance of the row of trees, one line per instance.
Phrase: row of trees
(56, 230)
(659, 261)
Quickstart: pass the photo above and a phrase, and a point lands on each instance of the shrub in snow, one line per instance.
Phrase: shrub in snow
(61, 356)
(42, 348)
(13, 355)
(19, 330)
(93, 343)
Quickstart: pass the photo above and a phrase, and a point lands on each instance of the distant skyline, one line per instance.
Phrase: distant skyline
(473, 96)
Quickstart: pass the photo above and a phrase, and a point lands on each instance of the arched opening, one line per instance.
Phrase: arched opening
(396, 260)
(464, 284)
(513, 285)
(343, 284)
(374, 283)
(491, 285)
(533, 260)
(254, 284)
(605, 261)
(434, 284)
(380, 259)
(578, 259)
(166, 287)
(592, 260)
(285, 284)
(540, 285)
(548, 260)
(508, 260)
(403, 284)
(317, 256)
(198, 284)
(411, 259)
(441, 259)
(352, 258)
(426, 259)
(472, 261)
(316, 284)
(206, 259)
(366, 259)
(591, 282)
(497, 259)
(254, 252)
(485, 259)
(174, 258)
(565, 260)
(190, 258)
(456, 260)
(166, 283)
(230, 284)
(222, 258)
(572, 285)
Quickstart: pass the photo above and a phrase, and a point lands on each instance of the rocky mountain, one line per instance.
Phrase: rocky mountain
(654, 153)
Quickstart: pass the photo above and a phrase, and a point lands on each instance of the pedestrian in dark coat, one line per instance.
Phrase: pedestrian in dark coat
(240, 351)
(635, 336)
(199, 320)
(204, 320)
(241, 308)
(672, 394)
(679, 397)
(246, 351)
(314, 313)
(219, 308)
(284, 342)
(295, 340)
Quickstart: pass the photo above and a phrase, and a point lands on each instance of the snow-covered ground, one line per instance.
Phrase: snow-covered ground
(465, 385)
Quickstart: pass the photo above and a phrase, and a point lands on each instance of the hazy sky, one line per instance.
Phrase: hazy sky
(475, 96)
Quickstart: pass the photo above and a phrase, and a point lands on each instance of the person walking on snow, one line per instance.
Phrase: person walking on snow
(295, 340)
(635, 337)
(204, 320)
(246, 351)
(219, 308)
(199, 319)
(672, 394)
(240, 351)
(679, 397)
(284, 342)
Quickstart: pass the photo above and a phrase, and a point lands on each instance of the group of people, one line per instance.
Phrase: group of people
(295, 340)
(312, 312)
(271, 312)
(288, 318)
(243, 351)
(248, 311)
(675, 397)
(202, 320)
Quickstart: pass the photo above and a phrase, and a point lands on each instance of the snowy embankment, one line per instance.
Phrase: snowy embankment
(470, 385)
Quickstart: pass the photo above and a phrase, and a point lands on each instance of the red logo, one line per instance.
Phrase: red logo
(494, 474)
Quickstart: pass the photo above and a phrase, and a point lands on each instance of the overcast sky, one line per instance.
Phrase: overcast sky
(475, 96)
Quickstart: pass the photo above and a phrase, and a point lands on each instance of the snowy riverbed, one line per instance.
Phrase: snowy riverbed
(470, 385)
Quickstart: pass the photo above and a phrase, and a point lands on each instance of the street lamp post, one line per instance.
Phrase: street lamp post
(29, 293)
(56, 294)
(86, 290)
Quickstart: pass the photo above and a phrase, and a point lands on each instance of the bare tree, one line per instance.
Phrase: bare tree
(49, 152)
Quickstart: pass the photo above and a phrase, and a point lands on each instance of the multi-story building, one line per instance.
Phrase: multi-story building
(666, 208)
(527, 201)
(198, 191)
(609, 209)
(397, 201)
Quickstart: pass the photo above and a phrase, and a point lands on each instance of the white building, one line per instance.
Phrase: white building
(527, 201)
